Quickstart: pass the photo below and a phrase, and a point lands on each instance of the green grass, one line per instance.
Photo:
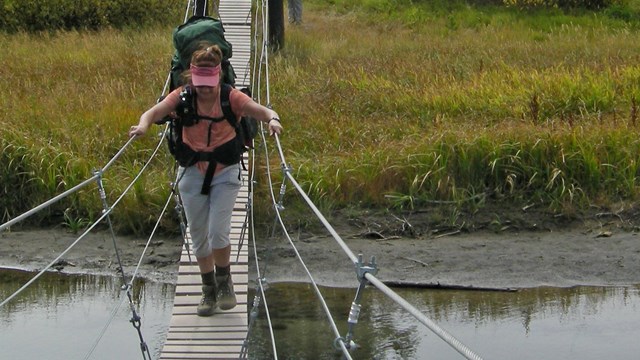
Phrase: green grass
(385, 104)
(528, 106)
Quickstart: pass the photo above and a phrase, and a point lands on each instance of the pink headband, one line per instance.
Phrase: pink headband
(205, 75)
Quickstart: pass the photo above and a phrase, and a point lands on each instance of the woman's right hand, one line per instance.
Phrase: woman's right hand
(137, 130)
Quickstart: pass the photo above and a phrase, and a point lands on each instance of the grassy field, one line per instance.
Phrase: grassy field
(386, 104)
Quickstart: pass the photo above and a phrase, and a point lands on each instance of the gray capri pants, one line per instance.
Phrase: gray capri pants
(209, 216)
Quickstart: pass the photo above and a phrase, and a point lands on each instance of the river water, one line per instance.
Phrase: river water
(65, 317)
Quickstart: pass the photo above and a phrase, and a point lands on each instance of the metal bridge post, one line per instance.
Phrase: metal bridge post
(354, 313)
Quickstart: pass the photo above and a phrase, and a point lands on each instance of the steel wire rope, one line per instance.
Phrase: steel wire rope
(443, 334)
(306, 269)
(332, 324)
(260, 288)
(91, 227)
(112, 317)
(104, 215)
(66, 193)
(153, 232)
(128, 286)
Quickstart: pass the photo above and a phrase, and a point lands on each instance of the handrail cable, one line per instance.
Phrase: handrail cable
(135, 319)
(91, 227)
(153, 232)
(277, 208)
(249, 205)
(47, 203)
(64, 194)
(264, 56)
(306, 269)
(443, 334)
(260, 280)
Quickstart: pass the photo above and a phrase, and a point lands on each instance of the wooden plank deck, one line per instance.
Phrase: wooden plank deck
(220, 336)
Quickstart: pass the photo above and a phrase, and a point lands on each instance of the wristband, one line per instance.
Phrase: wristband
(274, 118)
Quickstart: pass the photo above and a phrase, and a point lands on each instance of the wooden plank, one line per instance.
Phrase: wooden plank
(188, 356)
(180, 349)
(227, 335)
(193, 269)
(185, 301)
(194, 279)
(219, 319)
(242, 259)
(191, 309)
(184, 258)
(204, 342)
(196, 290)
(195, 330)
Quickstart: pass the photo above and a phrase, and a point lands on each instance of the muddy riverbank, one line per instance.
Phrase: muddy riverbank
(589, 253)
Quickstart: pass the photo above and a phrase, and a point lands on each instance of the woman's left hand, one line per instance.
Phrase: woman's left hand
(274, 126)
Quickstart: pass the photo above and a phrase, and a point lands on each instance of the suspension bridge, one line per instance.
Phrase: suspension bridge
(226, 334)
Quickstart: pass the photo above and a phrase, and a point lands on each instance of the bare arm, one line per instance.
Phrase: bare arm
(264, 114)
(156, 113)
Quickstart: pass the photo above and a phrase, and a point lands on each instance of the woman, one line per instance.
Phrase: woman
(209, 214)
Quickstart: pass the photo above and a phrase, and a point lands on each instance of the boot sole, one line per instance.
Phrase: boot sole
(227, 305)
(206, 313)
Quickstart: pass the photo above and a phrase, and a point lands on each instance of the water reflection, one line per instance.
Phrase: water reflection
(62, 317)
(541, 323)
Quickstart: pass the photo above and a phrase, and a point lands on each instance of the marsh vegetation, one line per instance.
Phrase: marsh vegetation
(387, 104)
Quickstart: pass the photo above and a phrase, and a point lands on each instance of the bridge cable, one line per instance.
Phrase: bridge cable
(107, 210)
(264, 60)
(114, 312)
(443, 334)
(64, 194)
(261, 283)
(135, 320)
(42, 206)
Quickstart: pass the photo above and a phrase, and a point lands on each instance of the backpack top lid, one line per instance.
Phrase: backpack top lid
(188, 36)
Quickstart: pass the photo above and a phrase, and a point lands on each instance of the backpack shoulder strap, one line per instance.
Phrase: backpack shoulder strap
(225, 103)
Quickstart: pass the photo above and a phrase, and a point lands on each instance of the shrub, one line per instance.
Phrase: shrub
(586, 4)
(50, 15)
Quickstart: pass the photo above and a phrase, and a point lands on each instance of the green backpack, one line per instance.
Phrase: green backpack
(189, 36)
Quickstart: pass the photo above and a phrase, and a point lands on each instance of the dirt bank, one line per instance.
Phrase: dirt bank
(93, 254)
(590, 253)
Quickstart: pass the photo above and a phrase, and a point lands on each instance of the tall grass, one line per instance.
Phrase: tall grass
(68, 99)
(385, 104)
(419, 103)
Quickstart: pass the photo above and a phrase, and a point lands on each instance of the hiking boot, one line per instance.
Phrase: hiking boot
(226, 295)
(208, 303)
